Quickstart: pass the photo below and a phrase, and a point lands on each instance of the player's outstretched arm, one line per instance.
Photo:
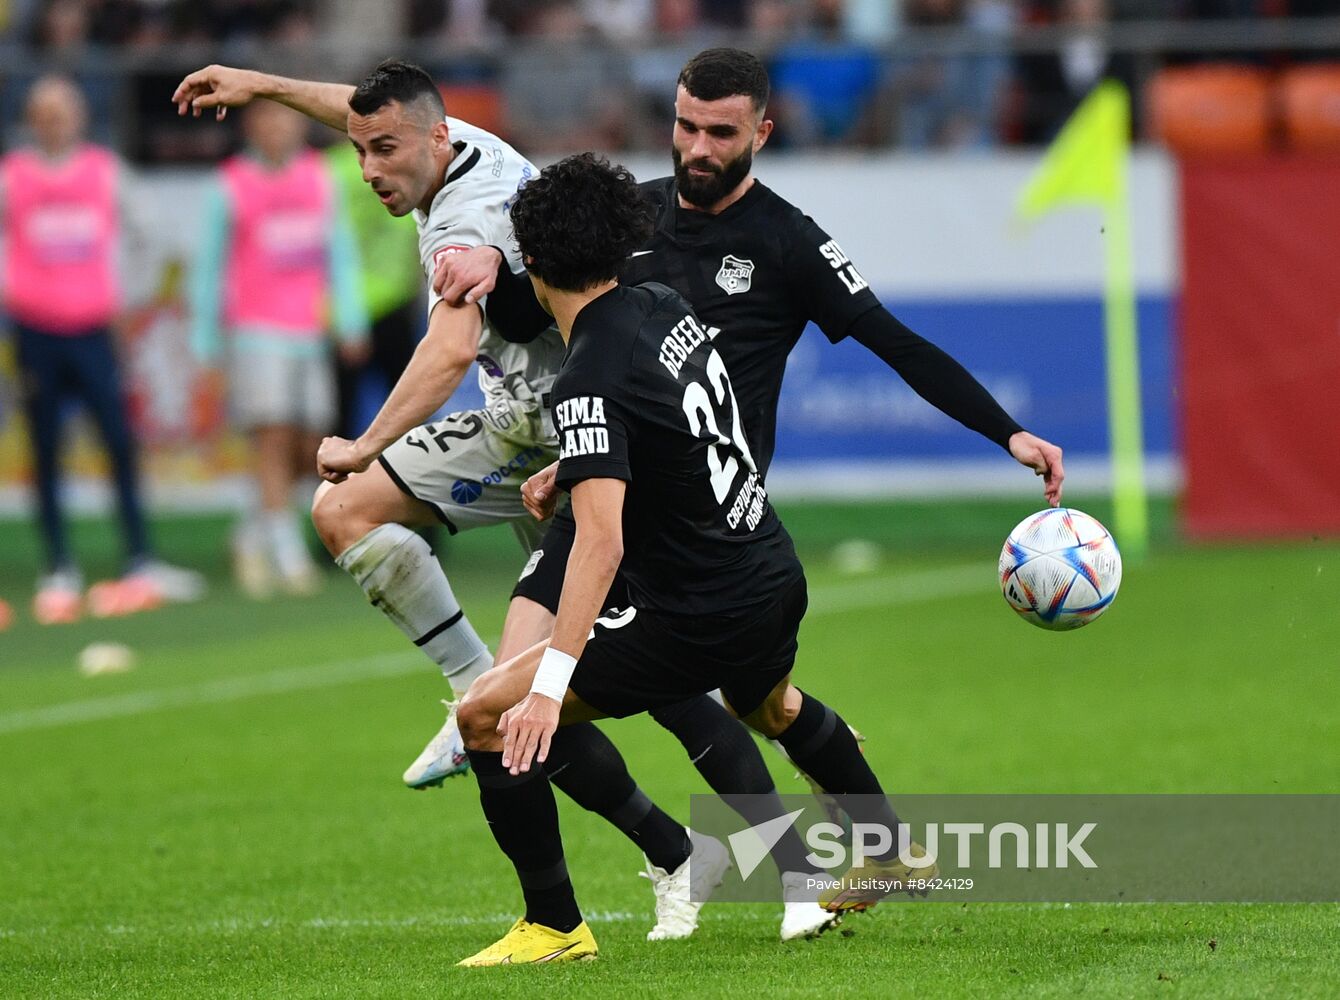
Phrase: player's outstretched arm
(948, 386)
(224, 87)
(597, 550)
(439, 363)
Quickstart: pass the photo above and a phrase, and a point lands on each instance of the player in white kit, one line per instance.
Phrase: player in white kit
(466, 469)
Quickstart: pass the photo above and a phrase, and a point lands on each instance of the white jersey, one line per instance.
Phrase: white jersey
(471, 211)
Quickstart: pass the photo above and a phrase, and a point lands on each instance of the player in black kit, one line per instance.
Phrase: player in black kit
(758, 269)
(665, 489)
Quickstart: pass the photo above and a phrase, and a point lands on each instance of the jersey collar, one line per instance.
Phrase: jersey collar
(690, 221)
(466, 158)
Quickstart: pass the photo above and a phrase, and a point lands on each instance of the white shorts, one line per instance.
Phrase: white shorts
(469, 466)
(268, 388)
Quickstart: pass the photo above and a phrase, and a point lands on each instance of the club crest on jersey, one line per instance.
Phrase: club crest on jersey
(735, 274)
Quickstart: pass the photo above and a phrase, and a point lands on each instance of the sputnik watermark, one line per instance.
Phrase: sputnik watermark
(1020, 848)
(1044, 845)
(835, 847)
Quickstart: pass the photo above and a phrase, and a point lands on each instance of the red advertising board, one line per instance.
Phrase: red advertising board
(1260, 346)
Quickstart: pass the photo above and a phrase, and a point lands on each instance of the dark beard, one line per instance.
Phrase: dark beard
(704, 192)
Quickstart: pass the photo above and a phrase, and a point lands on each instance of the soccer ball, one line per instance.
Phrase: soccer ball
(1060, 569)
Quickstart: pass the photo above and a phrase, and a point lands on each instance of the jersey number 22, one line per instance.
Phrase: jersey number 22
(702, 410)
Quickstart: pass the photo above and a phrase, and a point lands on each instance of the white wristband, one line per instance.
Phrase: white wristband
(555, 670)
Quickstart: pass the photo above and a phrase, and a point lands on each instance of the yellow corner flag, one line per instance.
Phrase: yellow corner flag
(1086, 162)
(1086, 165)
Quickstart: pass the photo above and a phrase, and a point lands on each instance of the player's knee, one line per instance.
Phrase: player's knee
(777, 712)
(339, 517)
(478, 721)
(325, 508)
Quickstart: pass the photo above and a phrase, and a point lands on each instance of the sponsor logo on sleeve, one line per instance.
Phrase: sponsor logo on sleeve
(581, 421)
(841, 263)
(442, 252)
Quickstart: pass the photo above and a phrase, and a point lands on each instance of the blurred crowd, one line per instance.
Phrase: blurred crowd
(86, 84)
(565, 74)
(69, 26)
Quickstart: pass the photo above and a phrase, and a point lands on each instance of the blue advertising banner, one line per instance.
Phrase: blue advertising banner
(1041, 358)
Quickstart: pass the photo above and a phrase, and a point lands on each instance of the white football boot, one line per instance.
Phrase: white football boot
(444, 756)
(173, 584)
(803, 917)
(676, 907)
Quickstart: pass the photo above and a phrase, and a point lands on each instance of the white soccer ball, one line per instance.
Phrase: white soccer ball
(1060, 569)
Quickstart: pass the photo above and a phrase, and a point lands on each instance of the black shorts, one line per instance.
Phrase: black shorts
(542, 579)
(640, 660)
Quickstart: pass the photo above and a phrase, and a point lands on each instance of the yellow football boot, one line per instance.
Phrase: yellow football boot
(862, 887)
(528, 943)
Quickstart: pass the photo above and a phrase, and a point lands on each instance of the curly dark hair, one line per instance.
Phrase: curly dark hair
(716, 73)
(577, 222)
(395, 80)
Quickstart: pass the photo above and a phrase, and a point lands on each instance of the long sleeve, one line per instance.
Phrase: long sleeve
(934, 375)
(207, 279)
(513, 309)
(348, 309)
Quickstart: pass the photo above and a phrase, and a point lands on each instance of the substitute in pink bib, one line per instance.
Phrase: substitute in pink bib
(61, 221)
(276, 274)
(62, 227)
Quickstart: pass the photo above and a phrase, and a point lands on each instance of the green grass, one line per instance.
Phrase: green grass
(227, 819)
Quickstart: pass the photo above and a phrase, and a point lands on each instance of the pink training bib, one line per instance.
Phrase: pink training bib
(277, 267)
(62, 225)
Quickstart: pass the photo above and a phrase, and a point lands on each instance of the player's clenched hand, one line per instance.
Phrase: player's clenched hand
(1042, 457)
(338, 458)
(465, 277)
(526, 729)
(539, 494)
(217, 87)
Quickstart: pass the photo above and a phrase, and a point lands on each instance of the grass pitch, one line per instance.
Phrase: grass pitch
(228, 820)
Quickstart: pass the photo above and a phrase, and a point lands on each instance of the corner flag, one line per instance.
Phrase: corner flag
(1086, 165)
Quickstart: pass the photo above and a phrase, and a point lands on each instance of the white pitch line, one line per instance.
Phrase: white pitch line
(214, 692)
(239, 925)
(857, 595)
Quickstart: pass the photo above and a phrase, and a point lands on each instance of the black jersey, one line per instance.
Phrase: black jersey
(759, 272)
(644, 396)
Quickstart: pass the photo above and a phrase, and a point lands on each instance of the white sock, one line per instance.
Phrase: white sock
(248, 534)
(403, 579)
(283, 539)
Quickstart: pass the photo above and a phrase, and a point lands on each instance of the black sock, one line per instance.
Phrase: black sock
(727, 756)
(522, 814)
(823, 747)
(590, 770)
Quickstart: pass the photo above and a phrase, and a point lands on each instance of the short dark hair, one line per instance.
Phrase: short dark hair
(394, 80)
(716, 73)
(577, 222)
